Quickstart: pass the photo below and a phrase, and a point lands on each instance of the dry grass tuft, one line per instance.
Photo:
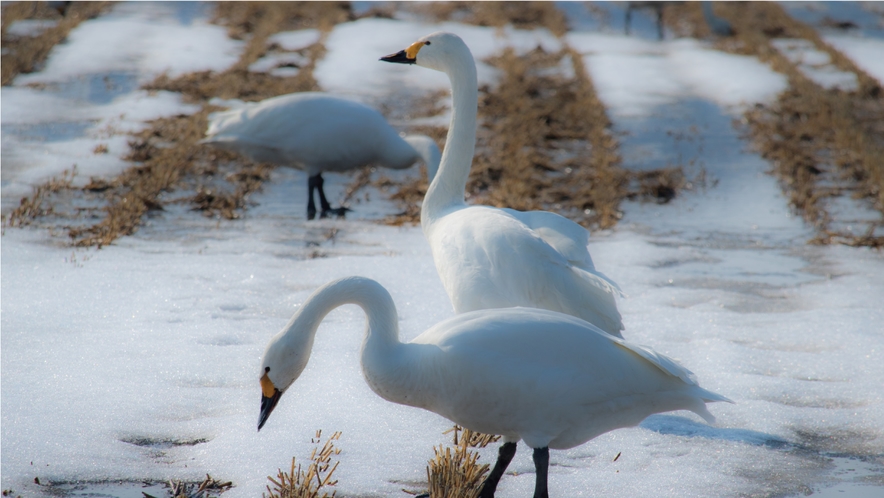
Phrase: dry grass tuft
(215, 201)
(458, 474)
(26, 54)
(823, 144)
(471, 438)
(209, 488)
(298, 483)
(36, 206)
(166, 152)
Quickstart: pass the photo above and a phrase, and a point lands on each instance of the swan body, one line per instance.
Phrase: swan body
(489, 257)
(547, 378)
(318, 132)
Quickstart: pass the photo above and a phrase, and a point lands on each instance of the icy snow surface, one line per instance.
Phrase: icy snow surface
(140, 361)
(633, 76)
(296, 40)
(815, 64)
(30, 27)
(855, 29)
(286, 64)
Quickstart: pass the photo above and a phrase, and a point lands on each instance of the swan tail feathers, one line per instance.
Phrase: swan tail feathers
(711, 397)
(664, 363)
(705, 396)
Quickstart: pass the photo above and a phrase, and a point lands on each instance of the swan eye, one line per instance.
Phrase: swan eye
(427, 42)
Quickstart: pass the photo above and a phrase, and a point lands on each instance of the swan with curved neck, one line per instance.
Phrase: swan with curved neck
(496, 258)
(549, 379)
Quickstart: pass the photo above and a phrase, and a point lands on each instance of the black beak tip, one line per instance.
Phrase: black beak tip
(267, 406)
(399, 57)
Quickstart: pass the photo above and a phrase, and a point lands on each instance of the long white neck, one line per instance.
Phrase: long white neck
(382, 329)
(447, 190)
(386, 363)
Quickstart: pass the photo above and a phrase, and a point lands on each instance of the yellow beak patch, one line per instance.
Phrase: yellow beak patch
(413, 49)
(267, 387)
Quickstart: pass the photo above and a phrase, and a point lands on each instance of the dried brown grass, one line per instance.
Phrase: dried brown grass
(209, 488)
(309, 482)
(26, 54)
(166, 154)
(822, 143)
(457, 473)
(37, 205)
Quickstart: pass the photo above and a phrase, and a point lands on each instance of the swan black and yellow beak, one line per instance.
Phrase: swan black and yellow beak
(407, 56)
(269, 398)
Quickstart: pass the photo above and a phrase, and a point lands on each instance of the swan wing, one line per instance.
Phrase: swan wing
(315, 129)
(568, 239)
(550, 376)
(487, 258)
(673, 368)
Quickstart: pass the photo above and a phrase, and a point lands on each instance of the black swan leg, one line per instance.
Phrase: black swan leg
(311, 186)
(323, 202)
(504, 456)
(541, 466)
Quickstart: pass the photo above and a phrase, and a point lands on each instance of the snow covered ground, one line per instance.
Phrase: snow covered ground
(140, 361)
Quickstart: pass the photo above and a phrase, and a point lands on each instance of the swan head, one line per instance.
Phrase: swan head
(284, 359)
(435, 51)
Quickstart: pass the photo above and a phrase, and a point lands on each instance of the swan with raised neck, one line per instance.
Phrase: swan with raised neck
(496, 258)
(549, 379)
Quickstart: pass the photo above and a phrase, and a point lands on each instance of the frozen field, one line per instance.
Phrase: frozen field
(140, 361)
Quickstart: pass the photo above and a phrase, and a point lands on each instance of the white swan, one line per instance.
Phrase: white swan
(496, 258)
(318, 132)
(549, 379)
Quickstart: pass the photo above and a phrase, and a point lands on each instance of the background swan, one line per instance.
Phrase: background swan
(495, 258)
(318, 132)
(549, 379)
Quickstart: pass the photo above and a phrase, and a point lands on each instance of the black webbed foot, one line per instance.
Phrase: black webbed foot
(336, 212)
